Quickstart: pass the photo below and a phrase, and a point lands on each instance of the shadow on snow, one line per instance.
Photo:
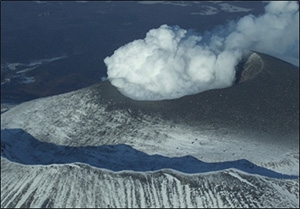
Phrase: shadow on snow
(21, 147)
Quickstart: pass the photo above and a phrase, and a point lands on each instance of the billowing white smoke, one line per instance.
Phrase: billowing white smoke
(172, 62)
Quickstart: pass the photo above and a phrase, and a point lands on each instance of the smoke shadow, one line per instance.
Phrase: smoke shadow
(21, 147)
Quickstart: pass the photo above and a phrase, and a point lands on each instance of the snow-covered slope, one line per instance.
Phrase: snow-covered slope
(255, 122)
(80, 185)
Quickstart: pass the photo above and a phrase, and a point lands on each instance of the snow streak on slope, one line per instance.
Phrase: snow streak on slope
(80, 185)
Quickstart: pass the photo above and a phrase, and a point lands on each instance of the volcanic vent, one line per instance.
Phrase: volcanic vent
(248, 68)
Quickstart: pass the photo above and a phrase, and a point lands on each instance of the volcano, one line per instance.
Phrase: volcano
(94, 147)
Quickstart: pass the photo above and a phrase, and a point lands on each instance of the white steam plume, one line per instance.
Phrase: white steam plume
(172, 62)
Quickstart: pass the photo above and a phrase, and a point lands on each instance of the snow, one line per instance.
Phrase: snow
(231, 8)
(234, 174)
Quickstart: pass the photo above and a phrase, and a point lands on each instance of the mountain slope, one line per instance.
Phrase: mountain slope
(260, 115)
(80, 185)
(256, 120)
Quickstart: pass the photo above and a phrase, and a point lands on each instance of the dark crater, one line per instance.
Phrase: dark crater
(249, 66)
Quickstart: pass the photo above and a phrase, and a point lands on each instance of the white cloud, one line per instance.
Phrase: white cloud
(172, 62)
